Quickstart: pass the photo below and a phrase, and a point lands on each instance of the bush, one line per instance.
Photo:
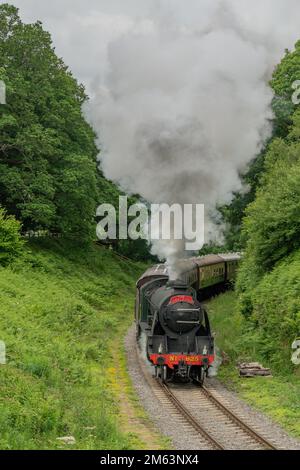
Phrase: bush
(268, 282)
(271, 303)
(276, 309)
(272, 225)
(11, 244)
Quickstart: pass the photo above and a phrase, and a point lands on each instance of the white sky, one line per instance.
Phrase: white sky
(81, 30)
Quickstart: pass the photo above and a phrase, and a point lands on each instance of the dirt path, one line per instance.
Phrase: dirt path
(133, 419)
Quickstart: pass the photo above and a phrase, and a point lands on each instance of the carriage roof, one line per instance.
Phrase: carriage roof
(161, 270)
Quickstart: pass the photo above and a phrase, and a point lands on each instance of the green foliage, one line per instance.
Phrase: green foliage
(233, 213)
(226, 323)
(211, 248)
(48, 175)
(271, 227)
(61, 309)
(285, 74)
(48, 171)
(268, 284)
(271, 302)
(135, 249)
(268, 281)
(242, 340)
(272, 224)
(276, 309)
(285, 116)
(11, 244)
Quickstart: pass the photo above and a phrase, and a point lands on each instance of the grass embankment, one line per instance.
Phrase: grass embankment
(279, 396)
(63, 310)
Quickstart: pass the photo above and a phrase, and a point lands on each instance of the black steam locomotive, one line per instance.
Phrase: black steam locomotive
(169, 314)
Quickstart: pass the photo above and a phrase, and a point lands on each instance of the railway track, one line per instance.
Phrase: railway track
(205, 416)
(265, 443)
(214, 421)
(182, 410)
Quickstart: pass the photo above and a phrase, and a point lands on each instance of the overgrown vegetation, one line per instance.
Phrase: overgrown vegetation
(265, 223)
(48, 175)
(11, 244)
(63, 304)
(261, 320)
(49, 178)
(285, 74)
(268, 283)
(60, 310)
(278, 396)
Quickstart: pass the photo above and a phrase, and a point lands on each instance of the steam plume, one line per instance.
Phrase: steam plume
(184, 104)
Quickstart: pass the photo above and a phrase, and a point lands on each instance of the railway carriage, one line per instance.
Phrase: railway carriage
(169, 314)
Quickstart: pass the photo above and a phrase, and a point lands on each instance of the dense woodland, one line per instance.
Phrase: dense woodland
(268, 283)
(50, 180)
(49, 176)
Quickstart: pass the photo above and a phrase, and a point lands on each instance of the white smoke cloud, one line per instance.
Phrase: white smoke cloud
(180, 95)
(182, 111)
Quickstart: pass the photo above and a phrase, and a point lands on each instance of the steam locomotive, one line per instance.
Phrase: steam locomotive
(169, 314)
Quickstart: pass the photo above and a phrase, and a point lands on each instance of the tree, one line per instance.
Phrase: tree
(271, 227)
(233, 213)
(272, 223)
(48, 169)
(285, 75)
(11, 244)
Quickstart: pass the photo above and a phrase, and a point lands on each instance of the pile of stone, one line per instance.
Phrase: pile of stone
(252, 369)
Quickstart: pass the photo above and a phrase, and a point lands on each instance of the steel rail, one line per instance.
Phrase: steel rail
(185, 412)
(241, 424)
